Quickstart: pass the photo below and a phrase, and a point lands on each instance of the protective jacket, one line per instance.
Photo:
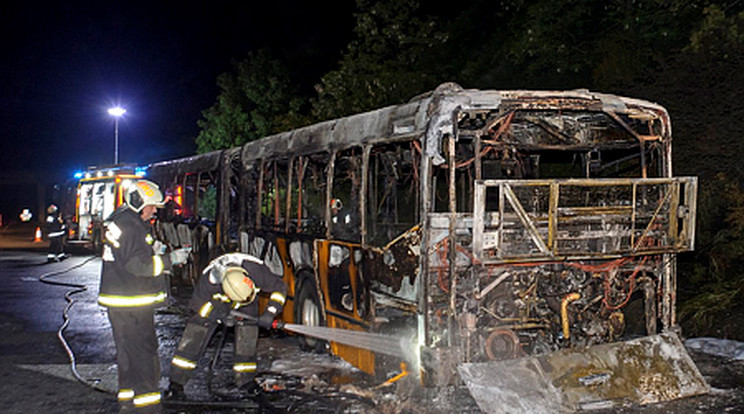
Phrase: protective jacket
(212, 307)
(56, 231)
(132, 273)
(131, 285)
(210, 287)
(55, 225)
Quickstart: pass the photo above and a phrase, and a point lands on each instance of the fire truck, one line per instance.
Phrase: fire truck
(100, 190)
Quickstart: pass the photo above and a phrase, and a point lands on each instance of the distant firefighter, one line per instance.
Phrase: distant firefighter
(56, 232)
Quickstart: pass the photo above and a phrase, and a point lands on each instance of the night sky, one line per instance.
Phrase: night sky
(63, 64)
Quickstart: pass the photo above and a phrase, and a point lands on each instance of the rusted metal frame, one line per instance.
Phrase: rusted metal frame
(479, 212)
(416, 177)
(673, 211)
(644, 167)
(451, 186)
(560, 135)
(651, 221)
(633, 212)
(316, 279)
(505, 120)
(259, 193)
(277, 199)
(522, 214)
(477, 144)
(520, 326)
(637, 136)
(242, 197)
(649, 303)
(366, 151)
(288, 207)
(301, 168)
(329, 191)
(596, 211)
(618, 161)
(426, 190)
(500, 242)
(539, 260)
(197, 188)
(668, 288)
(553, 216)
(470, 183)
(223, 198)
(691, 200)
(374, 185)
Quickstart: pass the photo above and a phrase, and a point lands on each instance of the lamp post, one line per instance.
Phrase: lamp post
(116, 112)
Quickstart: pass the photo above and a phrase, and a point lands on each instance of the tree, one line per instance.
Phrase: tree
(255, 99)
(703, 88)
(390, 60)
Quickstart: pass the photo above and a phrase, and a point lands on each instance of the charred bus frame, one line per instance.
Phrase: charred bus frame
(488, 225)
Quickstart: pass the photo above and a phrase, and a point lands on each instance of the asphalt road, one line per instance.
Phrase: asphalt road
(38, 299)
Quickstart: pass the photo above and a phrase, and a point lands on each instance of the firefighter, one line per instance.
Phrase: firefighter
(56, 232)
(132, 285)
(231, 281)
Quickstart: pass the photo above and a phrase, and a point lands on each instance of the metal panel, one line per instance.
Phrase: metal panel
(571, 219)
(645, 370)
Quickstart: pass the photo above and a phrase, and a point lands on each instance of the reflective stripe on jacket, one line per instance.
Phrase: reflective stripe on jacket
(131, 275)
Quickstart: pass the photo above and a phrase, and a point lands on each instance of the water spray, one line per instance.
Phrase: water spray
(400, 347)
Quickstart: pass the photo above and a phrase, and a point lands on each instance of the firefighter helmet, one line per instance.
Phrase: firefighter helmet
(142, 193)
(238, 286)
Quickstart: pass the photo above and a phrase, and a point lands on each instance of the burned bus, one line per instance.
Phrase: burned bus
(486, 226)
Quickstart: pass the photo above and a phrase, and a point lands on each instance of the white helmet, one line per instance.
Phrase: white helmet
(238, 286)
(142, 193)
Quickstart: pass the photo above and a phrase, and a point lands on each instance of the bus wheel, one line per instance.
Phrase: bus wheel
(308, 313)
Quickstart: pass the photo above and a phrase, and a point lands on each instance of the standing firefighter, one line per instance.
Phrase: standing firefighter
(56, 231)
(231, 281)
(132, 285)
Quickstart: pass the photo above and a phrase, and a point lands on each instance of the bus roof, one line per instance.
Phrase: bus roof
(431, 113)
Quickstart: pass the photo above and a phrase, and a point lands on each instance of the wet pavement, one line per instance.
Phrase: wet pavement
(39, 299)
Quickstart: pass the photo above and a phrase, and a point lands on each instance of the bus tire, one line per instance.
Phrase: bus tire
(308, 312)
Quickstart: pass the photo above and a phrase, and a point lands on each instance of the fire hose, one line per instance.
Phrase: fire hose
(76, 288)
(401, 347)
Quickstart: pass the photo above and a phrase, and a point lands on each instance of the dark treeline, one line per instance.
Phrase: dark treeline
(684, 54)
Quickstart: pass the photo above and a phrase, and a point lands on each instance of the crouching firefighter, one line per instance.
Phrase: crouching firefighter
(132, 285)
(231, 281)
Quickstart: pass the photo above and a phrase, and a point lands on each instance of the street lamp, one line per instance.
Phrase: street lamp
(116, 112)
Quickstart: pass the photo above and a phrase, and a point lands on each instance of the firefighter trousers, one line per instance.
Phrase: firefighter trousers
(137, 358)
(196, 336)
(56, 248)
